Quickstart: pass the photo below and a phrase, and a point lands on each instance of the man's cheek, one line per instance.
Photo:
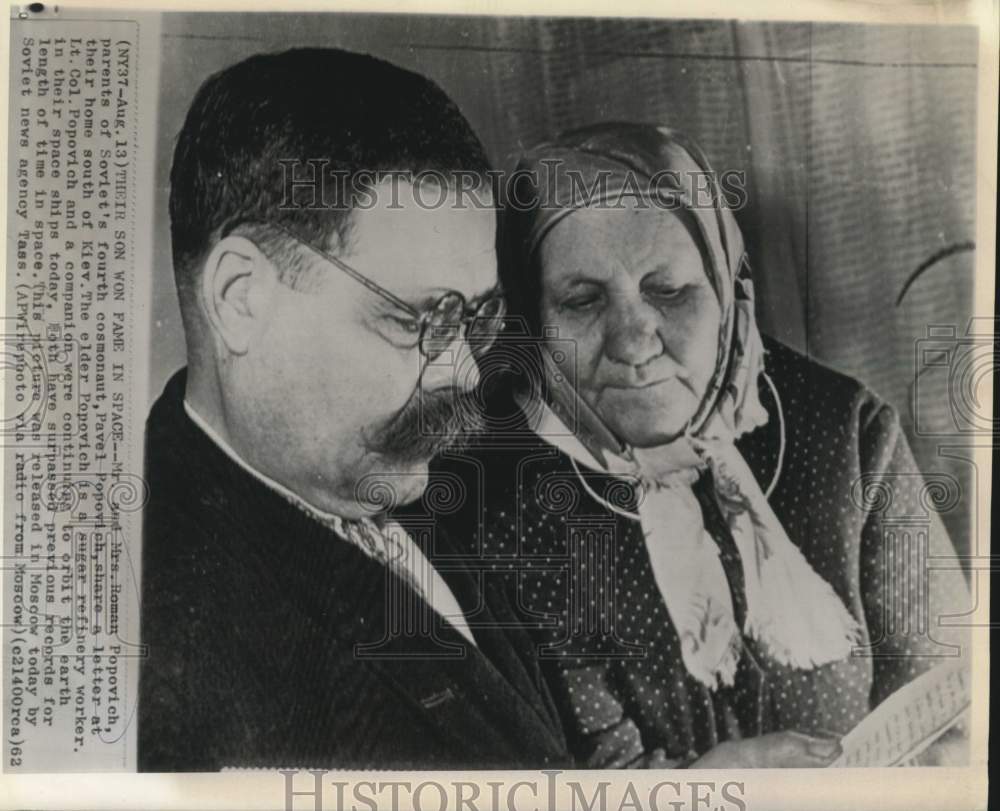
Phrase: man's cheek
(383, 387)
(388, 484)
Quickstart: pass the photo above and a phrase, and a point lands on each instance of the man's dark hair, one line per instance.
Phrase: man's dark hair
(350, 113)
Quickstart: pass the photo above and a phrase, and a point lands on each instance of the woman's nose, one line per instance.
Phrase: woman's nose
(632, 336)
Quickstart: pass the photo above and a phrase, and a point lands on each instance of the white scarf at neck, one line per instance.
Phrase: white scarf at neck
(793, 612)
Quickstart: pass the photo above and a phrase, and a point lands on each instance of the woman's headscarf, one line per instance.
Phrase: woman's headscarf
(793, 612)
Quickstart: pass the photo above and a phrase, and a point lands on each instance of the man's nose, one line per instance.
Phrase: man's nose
(456, 367)
(632, 335)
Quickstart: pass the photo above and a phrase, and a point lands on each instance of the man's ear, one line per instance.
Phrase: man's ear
(236, 287)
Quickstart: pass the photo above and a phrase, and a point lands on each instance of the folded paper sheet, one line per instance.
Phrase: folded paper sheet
(911, 719)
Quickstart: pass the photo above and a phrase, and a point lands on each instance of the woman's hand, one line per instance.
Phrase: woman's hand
(951, 749)
(776, 750)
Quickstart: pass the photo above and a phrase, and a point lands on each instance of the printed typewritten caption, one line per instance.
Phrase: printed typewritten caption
(72, 498)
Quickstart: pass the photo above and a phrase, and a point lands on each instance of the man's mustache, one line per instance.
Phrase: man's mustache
(429, 423)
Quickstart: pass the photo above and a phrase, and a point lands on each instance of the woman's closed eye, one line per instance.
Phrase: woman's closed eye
(592, 300)
(583, 298)
(581, 304)
(665, 293)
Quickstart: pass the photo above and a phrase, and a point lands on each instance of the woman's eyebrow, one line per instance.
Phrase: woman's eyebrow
(578, 278)
(659, 267)
(666, 269)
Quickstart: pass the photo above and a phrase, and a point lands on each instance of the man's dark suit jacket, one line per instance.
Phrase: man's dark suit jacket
(251, 611)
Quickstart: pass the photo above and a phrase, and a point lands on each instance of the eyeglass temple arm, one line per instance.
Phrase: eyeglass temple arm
(358, 277)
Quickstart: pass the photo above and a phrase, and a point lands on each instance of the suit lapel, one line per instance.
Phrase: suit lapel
(501, 640)
(480, 698)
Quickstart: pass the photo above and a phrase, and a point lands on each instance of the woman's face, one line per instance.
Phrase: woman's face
(628, 286)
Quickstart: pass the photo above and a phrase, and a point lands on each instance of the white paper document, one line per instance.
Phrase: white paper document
(909, 720)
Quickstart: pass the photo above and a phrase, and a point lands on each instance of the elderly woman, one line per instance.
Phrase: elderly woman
(684, 510)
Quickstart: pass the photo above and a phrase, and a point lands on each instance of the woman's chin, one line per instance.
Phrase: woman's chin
(645, 424)
(642, 430)
(652, 436)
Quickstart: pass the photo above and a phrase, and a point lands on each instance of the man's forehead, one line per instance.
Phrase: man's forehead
(418, 244)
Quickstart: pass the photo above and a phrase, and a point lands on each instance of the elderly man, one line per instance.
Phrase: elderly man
(335, 287)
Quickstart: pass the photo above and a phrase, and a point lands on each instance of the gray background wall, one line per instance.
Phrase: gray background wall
(857, 142)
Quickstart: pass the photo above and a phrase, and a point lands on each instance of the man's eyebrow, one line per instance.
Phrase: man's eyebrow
(494, 290)
(382, 305)
(419, 302)
(428, 300)
(425, 301)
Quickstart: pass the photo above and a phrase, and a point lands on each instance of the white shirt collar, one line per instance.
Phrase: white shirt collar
(432, 587)
(335, 521)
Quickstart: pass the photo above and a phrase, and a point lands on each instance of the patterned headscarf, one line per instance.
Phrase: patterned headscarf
(791, 610)
(605, 163)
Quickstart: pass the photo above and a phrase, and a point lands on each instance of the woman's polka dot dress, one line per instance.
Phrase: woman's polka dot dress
(580, 577)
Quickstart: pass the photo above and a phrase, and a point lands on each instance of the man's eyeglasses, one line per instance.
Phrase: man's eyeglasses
(436, 328)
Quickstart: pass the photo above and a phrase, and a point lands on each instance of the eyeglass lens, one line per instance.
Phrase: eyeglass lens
(446, 321)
